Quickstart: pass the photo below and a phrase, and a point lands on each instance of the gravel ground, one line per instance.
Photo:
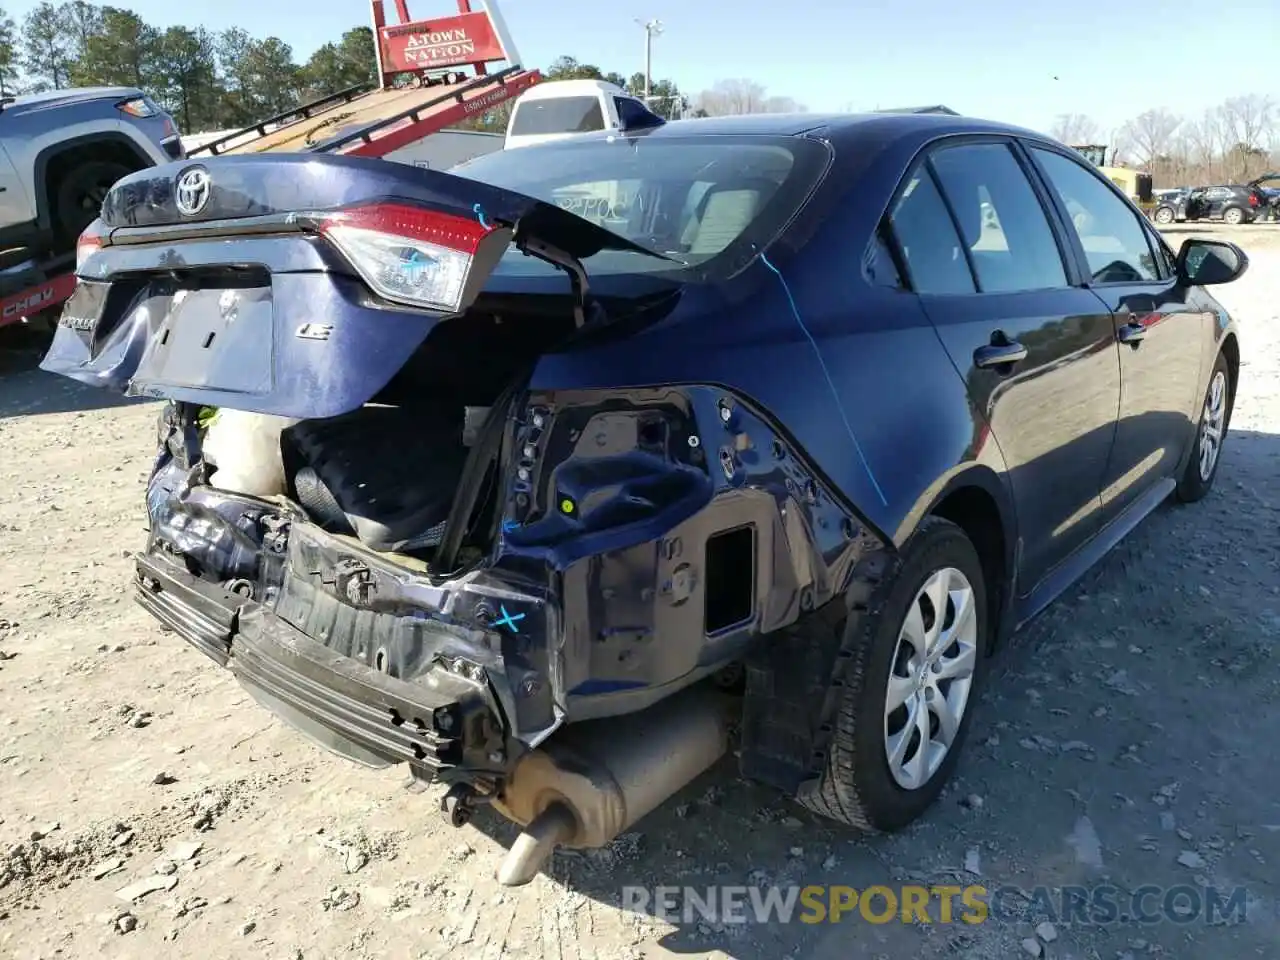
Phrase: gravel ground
(1127, 738)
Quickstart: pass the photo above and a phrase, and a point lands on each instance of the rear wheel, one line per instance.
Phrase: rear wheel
(1233, 215)
(916, 655)
(1164, 215)
(1215, 417)
(79, 197)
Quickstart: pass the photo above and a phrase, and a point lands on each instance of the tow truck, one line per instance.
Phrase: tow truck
(430, 74)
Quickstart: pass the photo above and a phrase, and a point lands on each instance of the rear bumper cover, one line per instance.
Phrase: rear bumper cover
(436, 722)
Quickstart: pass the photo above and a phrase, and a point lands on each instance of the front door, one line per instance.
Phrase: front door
(1161, 335)
(1037, 353)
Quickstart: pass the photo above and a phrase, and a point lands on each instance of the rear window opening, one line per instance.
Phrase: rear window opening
(730, 579)
(557, 115)
(706, 203)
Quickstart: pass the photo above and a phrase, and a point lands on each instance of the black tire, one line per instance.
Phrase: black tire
(78, 197)
(1163, 215)
(1194, 484)
(1233, 216)
(857, 787)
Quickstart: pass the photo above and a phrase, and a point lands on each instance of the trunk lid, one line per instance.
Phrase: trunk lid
(216, 283)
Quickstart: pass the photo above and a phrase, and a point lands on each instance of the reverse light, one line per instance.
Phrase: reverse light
(415, 256)
(139, 107)
(90, 242)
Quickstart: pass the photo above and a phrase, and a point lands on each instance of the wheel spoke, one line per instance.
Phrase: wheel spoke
(916, 768)
(900, 691)
(959, 667)
(898, 742)
(914, 633)
(962, 602)
(937, 590)
(948, 719)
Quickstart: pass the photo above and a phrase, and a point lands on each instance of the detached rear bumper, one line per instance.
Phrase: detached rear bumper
(438, 722)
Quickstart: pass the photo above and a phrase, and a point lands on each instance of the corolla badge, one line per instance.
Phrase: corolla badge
(191, 191)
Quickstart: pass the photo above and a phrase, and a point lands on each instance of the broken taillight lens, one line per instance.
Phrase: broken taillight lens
(139, 107)
(408, 254)
(90, 242)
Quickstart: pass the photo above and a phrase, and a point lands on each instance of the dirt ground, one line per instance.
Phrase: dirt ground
(1129, 736)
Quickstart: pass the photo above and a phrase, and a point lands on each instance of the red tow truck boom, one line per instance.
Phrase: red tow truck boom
(431, 74)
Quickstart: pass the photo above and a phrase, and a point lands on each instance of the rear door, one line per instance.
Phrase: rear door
(1037, 352)
(1160, 335)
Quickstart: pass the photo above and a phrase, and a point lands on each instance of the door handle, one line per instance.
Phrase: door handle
(999, 354)
(1132, 334)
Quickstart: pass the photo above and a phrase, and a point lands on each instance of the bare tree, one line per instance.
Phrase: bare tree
(732, 97)
(1150, 135)
(736, 97)
(1075, 129)
(1246, 122)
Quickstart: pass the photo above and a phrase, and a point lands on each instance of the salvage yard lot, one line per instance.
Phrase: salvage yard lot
(1127, 737)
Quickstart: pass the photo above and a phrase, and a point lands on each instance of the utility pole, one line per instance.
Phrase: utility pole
(651, 28)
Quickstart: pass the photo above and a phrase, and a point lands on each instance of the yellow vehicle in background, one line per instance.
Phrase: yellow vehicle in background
(1135, 183)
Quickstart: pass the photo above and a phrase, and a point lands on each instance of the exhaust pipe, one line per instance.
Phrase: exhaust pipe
(593, 780)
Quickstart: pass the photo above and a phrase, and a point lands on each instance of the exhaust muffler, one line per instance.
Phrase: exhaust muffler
(593, 780)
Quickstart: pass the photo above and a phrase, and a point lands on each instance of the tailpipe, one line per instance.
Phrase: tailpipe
(593, 780)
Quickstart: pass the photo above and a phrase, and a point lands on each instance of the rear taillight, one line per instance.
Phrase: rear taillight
(90, 242)
(1253, 199)
(139, 107)
(410, 255)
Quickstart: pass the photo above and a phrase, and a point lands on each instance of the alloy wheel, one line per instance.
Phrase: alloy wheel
(930, 677)
(1211, 424)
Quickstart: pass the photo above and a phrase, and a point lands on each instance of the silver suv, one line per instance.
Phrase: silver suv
(61, 151)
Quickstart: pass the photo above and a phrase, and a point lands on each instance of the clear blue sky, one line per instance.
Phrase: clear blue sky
(991, 58)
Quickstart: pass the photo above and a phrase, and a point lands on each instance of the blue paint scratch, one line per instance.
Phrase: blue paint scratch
(835, 394)
(479, 211)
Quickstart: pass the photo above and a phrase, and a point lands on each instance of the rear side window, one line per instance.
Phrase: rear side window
(927, 237)
(1003, 222)
(1114, 242)
(558, 115)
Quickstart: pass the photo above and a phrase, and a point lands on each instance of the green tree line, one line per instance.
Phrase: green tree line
(208, 80)
(214, 80)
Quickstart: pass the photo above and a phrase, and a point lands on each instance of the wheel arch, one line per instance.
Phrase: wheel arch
(1230, 349)
(977, 500)
(55, 160)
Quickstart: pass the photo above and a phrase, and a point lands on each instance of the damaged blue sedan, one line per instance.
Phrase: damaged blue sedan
(542, 475)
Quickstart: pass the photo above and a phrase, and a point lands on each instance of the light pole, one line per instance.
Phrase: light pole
(650, 28)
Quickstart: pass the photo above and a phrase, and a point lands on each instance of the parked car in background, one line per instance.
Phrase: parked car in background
(537, 465)
(1230, 203)
(61, 151)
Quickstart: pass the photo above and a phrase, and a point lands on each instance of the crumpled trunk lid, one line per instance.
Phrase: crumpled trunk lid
(213, 286)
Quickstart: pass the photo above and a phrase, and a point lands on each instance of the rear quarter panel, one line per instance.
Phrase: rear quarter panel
(855, 374)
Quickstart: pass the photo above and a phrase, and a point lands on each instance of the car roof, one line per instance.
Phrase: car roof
(553, 89)
(847, 127)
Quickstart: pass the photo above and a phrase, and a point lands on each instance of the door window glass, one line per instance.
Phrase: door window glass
(1114, 242)
(927, 236)
(1002, 219)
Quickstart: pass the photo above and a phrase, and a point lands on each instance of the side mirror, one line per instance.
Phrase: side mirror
(1204, 262)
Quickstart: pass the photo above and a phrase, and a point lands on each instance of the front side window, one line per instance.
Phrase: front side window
(557, 115)
(1004, 224)
(1114, 241)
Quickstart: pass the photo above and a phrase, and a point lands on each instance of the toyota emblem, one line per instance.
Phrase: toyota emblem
(191, 192)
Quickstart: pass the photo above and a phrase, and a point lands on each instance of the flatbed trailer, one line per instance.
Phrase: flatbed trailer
(423, 87)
